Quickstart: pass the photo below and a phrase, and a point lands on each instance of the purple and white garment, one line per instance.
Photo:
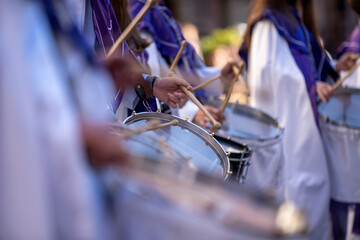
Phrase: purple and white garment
(107, 31)
(282, 70)
(308, 54)
(352, 45)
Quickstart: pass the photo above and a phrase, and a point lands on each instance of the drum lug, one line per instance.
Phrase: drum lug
(230, 172)
(158, 110)
(228, 154)
(133, 113)
(186, 119)
(212, 134)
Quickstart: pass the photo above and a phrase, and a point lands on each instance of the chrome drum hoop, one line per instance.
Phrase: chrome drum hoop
(207, 138)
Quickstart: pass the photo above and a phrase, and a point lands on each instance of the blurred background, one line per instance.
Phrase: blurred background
(218, 23)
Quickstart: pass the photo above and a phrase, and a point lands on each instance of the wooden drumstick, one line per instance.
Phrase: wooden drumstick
(177, 58)
(215, 123)
(236, 70)
(207, 82)
(154, 125)
(130, 27)
(342, 80)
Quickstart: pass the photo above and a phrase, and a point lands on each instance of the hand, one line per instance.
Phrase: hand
(167, 90)
(124, 73)
(324, 90)
(201, 120)
(227, 73)
(103, 148)
(346, 61)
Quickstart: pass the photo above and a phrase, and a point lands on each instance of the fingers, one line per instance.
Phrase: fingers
(354, 56)
(204, 123)
(172, 104)
(347, 61)
(324, 91)
(217, 115)
(181, 82)
(180, 94)
(173, 98)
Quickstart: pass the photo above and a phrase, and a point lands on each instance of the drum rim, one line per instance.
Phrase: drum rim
(195, 129)
(256, 114)
(340, 92)
(245, 154)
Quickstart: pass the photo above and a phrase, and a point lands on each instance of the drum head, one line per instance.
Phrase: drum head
(245, 122)
(203, 152)
(343, 108)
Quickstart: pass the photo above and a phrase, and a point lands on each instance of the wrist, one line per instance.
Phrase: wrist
(150, 80)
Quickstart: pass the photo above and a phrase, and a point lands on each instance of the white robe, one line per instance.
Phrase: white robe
(278, 88)
(46, 188)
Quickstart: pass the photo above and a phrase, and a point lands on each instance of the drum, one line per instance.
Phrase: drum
(340, 125)
(239, 156)
(149, 153)
(263, 135)
(200, 149)
(149, 205)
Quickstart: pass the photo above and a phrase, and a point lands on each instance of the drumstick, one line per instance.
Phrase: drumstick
(236, 70)
(341, 81)
(215, 123)
(207, 82)
(177, 58)
(130, 27)
(153, 125)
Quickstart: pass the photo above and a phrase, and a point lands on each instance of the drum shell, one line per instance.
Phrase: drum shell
(266, 173)
(239, 156)
(342, 147)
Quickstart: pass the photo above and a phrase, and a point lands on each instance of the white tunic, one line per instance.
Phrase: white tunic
(46, 188)
(278, 88)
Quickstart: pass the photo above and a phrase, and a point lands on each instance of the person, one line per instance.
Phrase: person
(348, 52)
(48, 189)
(166, 36)
(344, 200)
(285, 63)
(98, 23)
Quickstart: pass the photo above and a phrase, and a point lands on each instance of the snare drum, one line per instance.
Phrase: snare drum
(239, 156)
(203, 152)
(149, 205)
(151, 153)
(263, 135)
(340, 125)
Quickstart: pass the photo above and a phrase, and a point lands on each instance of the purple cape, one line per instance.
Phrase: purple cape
(107, 31)
(352, 44)
(165, 31)
(307, 52)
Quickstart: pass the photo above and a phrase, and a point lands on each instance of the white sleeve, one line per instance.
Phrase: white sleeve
(189, 110)
(262, 67)
(277, 87)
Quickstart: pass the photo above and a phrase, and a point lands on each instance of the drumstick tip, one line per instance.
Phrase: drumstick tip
(174, 122)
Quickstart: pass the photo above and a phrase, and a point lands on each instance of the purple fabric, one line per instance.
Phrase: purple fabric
(339, 214)
(165, 31)
(107, 31)
(352, 44)
(310, 58)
